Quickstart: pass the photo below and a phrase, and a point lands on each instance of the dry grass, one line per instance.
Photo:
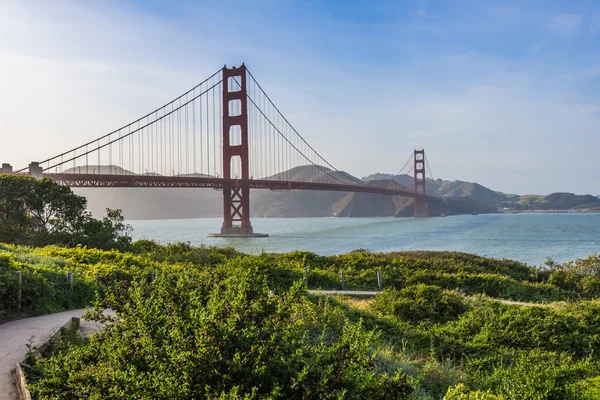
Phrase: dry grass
(361, 304)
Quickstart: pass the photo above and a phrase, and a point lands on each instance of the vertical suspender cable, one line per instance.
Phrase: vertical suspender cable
(194, 133)
(214, 134)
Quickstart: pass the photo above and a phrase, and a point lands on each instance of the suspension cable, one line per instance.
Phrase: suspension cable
(402, 169)
(286, 139)
(429, 168)
(127, 125)
(345, 174)
(174, 110)
(294, 129)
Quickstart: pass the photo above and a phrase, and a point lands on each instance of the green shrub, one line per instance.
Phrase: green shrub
(460, 392)
(534, 374)
(585, 389)
(195, 335)
(420, 303)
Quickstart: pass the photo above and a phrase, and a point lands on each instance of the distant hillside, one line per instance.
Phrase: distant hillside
(98, 169)
(116, 170)
(554, 201)
(370, 204)
(474, 191)
(497, 200)
(312, 173)
(458, 197)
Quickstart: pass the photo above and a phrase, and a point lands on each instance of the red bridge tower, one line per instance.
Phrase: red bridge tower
(236, 192)
(420, 183)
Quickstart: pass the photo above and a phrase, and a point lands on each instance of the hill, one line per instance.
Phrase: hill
(456, 189)
(446, 325)
(553, 201)
(370, 204)
(497, 200)
(459, 197)
(164, 203)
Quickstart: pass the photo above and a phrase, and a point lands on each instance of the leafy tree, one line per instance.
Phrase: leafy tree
(14, 221)
(108, 233)
(41, 212)
(56, 212)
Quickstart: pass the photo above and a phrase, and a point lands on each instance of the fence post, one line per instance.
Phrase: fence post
(151, 276)
(343, 279)
(70, 282)
(19, 286)
(305, 276)
(379, 281)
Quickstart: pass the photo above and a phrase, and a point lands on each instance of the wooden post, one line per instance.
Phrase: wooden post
(70, 289)
(151, 276)
(305, 276)
(19, 286)
(379, 281)
(343, 279)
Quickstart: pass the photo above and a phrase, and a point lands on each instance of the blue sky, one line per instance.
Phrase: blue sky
(504, 93)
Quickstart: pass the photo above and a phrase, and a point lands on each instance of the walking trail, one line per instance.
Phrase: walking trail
(15, 335)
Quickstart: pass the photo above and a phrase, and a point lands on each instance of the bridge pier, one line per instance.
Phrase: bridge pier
(6, 169)
(421, 208)
(236, 193)
(35, 170)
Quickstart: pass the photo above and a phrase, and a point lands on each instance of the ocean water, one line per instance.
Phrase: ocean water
(530, 238)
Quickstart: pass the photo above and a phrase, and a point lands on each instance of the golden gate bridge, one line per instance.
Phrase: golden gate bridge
(225, 133)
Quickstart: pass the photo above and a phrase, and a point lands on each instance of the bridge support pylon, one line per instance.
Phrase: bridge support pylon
(420, 183)
(236, 192)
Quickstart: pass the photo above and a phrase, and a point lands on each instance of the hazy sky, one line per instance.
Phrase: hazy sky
(504, 93)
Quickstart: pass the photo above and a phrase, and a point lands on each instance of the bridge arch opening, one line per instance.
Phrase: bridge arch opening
(235, 135)
(233, 84)
(236, 167)
(234, 108)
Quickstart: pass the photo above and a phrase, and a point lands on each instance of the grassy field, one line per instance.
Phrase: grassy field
(198, 322)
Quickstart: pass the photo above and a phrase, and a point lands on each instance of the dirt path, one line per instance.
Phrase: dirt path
(16, 334)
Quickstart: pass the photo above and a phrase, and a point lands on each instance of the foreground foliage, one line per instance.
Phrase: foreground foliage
(214, 323)
(202, 335)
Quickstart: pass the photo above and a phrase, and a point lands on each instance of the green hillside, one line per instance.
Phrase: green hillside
(215, 323)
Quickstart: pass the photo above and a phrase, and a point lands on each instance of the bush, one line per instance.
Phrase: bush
(460, 392)
(226, 335)
(534, 374)
(209, 324)
(420, 303)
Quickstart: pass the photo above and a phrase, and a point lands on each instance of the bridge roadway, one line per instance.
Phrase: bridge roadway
(139, 181)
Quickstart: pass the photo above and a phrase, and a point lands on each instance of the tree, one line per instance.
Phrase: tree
(41, 212)
(108, 233)
(56, 212)
(14, 222)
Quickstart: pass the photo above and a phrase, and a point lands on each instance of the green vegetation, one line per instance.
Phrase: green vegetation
(215, 323)
(41, 212)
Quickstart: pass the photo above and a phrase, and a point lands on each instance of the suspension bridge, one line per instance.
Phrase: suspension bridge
(226, 134)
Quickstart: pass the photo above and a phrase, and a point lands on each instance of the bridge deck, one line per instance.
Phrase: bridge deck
(149, 181)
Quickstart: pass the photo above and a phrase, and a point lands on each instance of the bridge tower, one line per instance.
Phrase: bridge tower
(236, 192)
(420, 183)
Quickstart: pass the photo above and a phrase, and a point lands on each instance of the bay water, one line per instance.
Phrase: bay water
(528, 237)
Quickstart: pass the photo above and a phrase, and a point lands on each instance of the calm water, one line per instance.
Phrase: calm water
(530, 238)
